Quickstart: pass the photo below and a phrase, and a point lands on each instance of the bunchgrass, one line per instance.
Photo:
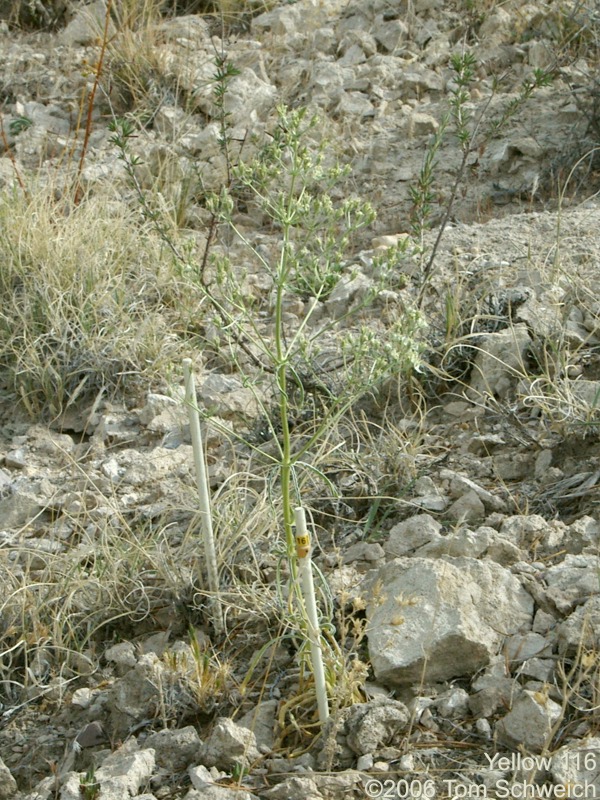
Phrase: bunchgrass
(89, 300)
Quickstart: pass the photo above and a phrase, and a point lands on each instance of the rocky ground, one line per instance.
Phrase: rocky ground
(457, 520)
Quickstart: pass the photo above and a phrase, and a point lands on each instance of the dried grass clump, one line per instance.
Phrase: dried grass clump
(88, 300)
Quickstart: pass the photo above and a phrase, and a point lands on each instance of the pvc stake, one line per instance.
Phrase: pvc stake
(303, 551)
(203, 494)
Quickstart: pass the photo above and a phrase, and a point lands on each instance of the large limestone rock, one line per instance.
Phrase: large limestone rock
(436, 620)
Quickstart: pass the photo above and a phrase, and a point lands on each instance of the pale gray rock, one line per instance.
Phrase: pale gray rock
(248, 98)
(496, 26)
(543, 320)
(201, 776)
(324, 42)
(461, 542)
(586, 392)
(187, 28)
(529, 722)
(431, 502)
(539, 669)
(50, 119)
(428, 496)
(572, 582)
(124, 772)
(171, 121)
(349, 291)
(91, 735)
(39, 553)
(361, 729)
(44, 790)
(134, 468)
(376, 724)
(161, 412)
(340, 785)
(302, 764)
(8, 785)
(365, 763)
(229, 745)
(5, 478)
(411, 534)
(226, 396)
(175, 750)
(421, 124)
(123, 655)
(578, 764)
(112, 470)
(359, 41)
(82, 698)
(71, 787)
(261, 721)
(282, 21)
(116, 427)
(521, 646)
(543, 622)
(390, 33)
(458, 485)
(295, 788)
(582, 534)
(214, 792)
(417, 81)
(20, 507)
(136, 696)
(354, 104)
(533, 533)
(8, 178)
(121, 775)
(512, 465)
(328, 79)
(542, 464)
(499, 360)
(492, 690)
(435, 620)
(453, 704)
(581, 628)
(371, 554)
(87, 25)
(483, 727)
(467, 508)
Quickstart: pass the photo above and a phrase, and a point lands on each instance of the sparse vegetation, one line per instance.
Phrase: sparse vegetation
(83, 295)
(246, 244)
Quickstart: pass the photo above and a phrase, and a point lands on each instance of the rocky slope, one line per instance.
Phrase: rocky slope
(457, 527)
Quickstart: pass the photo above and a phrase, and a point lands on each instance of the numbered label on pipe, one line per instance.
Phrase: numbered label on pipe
(302, 545)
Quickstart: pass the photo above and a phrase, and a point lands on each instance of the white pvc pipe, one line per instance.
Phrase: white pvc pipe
(203, 494)
(303, 549)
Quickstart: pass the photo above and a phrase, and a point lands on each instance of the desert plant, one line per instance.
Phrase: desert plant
(330, 363)
(473, 132)
(89, 787)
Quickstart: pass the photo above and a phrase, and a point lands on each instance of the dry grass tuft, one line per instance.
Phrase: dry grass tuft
(88, 300)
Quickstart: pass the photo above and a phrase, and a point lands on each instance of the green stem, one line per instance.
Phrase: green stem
(281, 378)
(282, 353)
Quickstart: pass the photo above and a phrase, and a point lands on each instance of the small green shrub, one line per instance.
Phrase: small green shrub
(292, 187)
